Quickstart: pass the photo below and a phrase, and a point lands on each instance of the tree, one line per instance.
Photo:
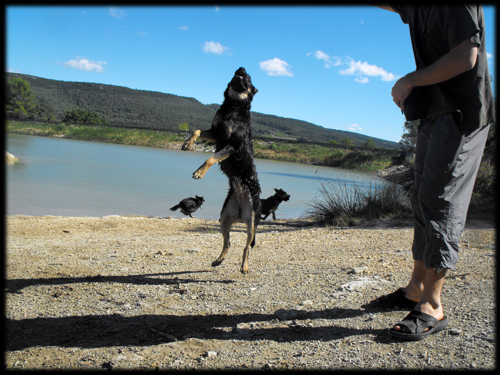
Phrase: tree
(45, 111)
(370, 144)
(183, 126)
(347, 142)
(409, 137)
(20, 101)
(84, 117)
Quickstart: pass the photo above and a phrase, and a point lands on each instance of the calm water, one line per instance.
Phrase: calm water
(65, 177)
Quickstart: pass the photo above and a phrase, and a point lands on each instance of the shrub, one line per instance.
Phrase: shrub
(341, 203)
(484, 194)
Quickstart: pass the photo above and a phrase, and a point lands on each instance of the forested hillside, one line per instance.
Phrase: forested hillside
(155, 110)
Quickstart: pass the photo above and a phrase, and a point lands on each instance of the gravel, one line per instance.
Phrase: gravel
(128, 292)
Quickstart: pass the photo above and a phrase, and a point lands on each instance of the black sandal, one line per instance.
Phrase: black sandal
(393, 300)
(419, 325)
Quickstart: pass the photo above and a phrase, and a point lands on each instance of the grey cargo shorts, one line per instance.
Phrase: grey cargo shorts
(446, 165)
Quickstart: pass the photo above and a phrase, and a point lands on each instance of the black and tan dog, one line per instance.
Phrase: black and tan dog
(232, 136)
(270, 205)
(189, 205)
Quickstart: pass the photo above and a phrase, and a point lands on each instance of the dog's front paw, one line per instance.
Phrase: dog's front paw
(200, 172)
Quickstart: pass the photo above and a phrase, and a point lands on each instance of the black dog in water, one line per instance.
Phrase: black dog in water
(232, 136)
(189, 205)
(270, 205)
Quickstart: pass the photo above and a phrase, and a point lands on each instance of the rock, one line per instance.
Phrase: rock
(9, 158)
(357, 270)
(210, 354)
(361, 283)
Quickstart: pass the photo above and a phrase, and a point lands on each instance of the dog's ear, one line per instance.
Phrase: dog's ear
(276, 190)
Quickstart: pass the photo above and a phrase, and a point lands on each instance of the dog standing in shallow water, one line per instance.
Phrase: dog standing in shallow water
(270, 205)
(232, 136)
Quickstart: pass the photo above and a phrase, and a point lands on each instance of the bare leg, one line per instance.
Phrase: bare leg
(430, 299)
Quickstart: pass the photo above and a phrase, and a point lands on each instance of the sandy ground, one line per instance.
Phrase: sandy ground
(140, 293)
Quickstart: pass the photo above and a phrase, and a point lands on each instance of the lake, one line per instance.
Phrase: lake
(65, 177)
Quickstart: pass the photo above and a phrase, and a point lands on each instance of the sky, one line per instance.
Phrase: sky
(333, 66)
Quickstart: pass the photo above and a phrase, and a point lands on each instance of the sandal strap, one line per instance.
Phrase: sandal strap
(416, 322)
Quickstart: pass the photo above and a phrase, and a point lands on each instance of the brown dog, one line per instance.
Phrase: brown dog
(270, 205)
(232, 136)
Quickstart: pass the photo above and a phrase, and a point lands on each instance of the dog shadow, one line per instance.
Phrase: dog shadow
(93, 331)
(16, 285)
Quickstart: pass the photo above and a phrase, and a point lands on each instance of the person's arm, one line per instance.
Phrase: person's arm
(384, 6)
(459, 60)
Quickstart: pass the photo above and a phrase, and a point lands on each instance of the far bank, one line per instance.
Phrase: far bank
(312, 154)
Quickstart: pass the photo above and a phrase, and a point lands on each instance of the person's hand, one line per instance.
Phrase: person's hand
(400, 91)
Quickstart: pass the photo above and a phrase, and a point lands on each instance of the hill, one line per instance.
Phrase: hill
(126, 107)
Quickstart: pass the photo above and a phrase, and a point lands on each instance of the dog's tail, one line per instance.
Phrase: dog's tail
(175, 207)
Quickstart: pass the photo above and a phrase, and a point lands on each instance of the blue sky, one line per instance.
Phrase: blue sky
(333, 66)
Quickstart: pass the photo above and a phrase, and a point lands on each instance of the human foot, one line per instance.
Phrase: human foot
(418, 325)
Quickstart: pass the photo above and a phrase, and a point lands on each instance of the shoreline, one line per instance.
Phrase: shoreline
(474, 221)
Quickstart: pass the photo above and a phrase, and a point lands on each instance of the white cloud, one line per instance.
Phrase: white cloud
(354, 128)
(489, 56)
(117, 12)
(86, 65)
(276, 67)
(329, 61)
(362, 70)
(215, 47)
(183, 28)
(362, 79)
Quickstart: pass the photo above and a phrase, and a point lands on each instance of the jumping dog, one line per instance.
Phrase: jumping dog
(232, 136)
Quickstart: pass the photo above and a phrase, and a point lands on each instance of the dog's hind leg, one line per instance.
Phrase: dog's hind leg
(250, 243)
(250, 218)
(228, 216)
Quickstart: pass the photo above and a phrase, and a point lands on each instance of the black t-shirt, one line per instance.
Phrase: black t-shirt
(434, 31)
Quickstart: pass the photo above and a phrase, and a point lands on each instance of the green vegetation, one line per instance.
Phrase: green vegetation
(82, 116)
(102, 133)
(20, 101)
(125, 107)
(360, 160)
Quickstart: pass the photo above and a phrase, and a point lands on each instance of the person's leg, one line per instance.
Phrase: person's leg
(446, 165)
(430, 299)
(415, 286)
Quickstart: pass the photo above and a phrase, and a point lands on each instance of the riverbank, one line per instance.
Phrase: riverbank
(139, 293)
(311, 154)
